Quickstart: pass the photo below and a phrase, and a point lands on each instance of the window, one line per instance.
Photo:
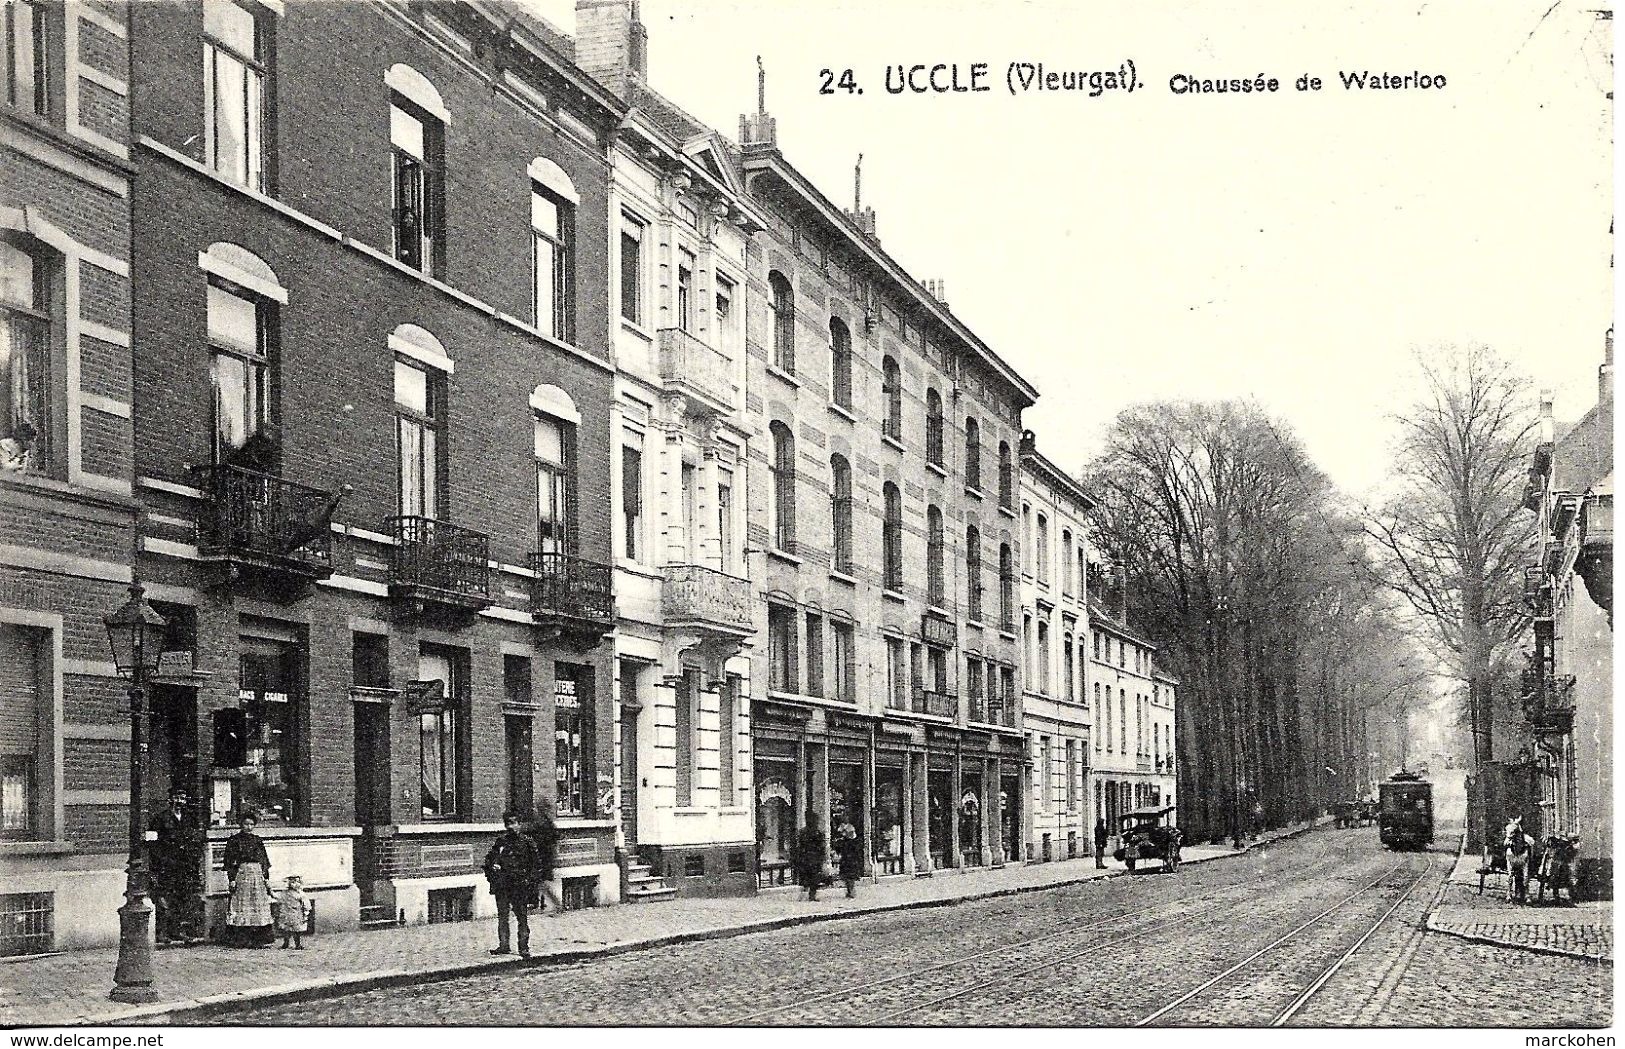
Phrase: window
(1029, 648)
(973, 689)
(1046, 788)
(369, 660)
(683, 728)
(781, 648)
(241, 373)
(1095, 721)
(1139, 724)
(784, 322)
(973, 574)
(1044, 672)
(891, 381)
(725, 519)
(26, 704)
(1122, 721)
(845, 661)
(555, 486)
(685, 289)
(1007, 588)
(552, 234)
(1007, 477)
(840, 357)
(632, 496)
(815, 654)
(1122, 660)
(440, 770)
(236, 42)
(27, 55)
(897, 690)
(518, 733)
(257, 740)
(419, 411)
(1066, 658)
(1028, 546)
(27, 423)
(1071, 775)
(632, 234)
(892, 537)
(784, 487)
(933, 427)
(973, 454)
(574, 740)
(1097, 644)
(935, 571)
(840, 512)
(727, 739)
(418, 152)
(1107, 710)
(727, 326)
(1041, 551)
(1066, 560)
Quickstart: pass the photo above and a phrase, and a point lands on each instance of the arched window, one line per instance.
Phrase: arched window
(891, 381)
(933, 427)
(1100, 730)
(243, 297)
(1007, 477)
(893, 537)
(1070, 680)
(973, 573)
(784, 487)
(1007, 588)
(1066, 560)
(1041, 554)
(1028, 546)
(935, 586)
(553, 202)
(973, 454)
(840, 361)
(784, 322)
(840, 511)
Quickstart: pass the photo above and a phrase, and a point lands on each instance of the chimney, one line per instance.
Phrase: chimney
(862, 217)
(761, 129)
(937, 288)
(1548, 425)
(1605, 374)
(612, 45)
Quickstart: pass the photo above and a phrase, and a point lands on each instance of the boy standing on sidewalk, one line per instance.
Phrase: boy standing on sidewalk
(510, 869)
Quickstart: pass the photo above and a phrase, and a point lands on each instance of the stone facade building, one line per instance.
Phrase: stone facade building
(1134, 720)
(67, 516)
(881, 545)
(1055, 634)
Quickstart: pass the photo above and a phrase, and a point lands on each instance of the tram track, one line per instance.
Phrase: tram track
(1248, 887)
(1297, 937)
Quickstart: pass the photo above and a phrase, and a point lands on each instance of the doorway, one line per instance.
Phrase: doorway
(939, 796)
(629, 774)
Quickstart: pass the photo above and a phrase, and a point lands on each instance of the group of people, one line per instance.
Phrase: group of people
(809, 857)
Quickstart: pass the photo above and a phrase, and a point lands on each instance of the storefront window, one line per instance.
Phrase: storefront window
(573, 740)
(888, 837)
(255, 767)
(775, 810)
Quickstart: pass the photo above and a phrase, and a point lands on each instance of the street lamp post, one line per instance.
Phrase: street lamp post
(135, 632)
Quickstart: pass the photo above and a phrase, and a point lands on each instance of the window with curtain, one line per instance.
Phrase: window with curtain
(240, 371)
(555, 485)
(632, 496)
(26, 398)
(552, 235)
(419, 411)
(418, 158)
(27, 54)
(236, 40)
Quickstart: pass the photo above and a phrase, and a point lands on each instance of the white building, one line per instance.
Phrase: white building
(1055, 616)
(680, 228)
(1134, 714)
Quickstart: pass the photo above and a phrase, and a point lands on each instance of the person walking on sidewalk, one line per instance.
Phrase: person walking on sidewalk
(810, 856)
(544, 834)
(849, 847)
(510, 869)
(1100, 843)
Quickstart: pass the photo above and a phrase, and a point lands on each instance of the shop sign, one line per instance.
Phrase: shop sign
(564, 694)
(175, 662)
(425, 695)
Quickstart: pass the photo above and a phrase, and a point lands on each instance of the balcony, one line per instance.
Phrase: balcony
(572, 592)
(439, 564)
(691, 368)
(703, 598)
(937, 704)
(260, 522)
(1001, 714)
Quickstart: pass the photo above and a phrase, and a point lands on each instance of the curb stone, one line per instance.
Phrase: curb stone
(201, 1009)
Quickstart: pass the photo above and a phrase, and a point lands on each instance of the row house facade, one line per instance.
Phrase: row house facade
(1568, 684)
(1134, 714)
(67, 515)
(681, 228)
(1055, 638)
(373, 398)
(881, 546)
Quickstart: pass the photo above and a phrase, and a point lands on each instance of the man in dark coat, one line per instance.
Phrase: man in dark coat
(810, 855)
(1100, 843)
(174, 856)
(510, 868)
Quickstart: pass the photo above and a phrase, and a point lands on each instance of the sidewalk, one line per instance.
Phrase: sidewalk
(1585, 930)
(195, 983)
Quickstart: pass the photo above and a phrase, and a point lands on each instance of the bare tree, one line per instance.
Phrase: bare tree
(1453, 533)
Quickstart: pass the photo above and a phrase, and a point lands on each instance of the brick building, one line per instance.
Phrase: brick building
(1055, 636)
(66, 512)
(373, 400)
(682, 225)
(881, 545)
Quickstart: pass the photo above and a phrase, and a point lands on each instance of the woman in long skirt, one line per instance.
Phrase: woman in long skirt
(248, 914)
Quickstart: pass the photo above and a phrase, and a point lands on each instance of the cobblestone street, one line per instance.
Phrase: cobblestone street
(1234, 943)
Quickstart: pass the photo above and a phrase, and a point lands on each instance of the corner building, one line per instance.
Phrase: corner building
(881, 546)
(1135, 720)
(67, 518)
(373, 400)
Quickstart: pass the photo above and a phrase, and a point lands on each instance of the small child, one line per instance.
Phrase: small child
(293, 912)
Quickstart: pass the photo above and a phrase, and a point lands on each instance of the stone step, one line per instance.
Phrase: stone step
(649, 892)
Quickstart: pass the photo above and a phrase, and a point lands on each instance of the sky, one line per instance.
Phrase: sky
(1295, 248)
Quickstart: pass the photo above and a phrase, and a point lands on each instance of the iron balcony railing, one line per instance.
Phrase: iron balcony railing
(255, 516)
(698, 595)
(435, 555)
(570, 586)
(938, 704)
(1002, 714)
(688, 365)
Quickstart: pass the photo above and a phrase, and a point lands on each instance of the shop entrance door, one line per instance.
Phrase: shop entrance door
(173, 757)
(846, 801)
(888, 821)
(970, 818)
(939, 797)
(629, 774)
(1010, 816)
